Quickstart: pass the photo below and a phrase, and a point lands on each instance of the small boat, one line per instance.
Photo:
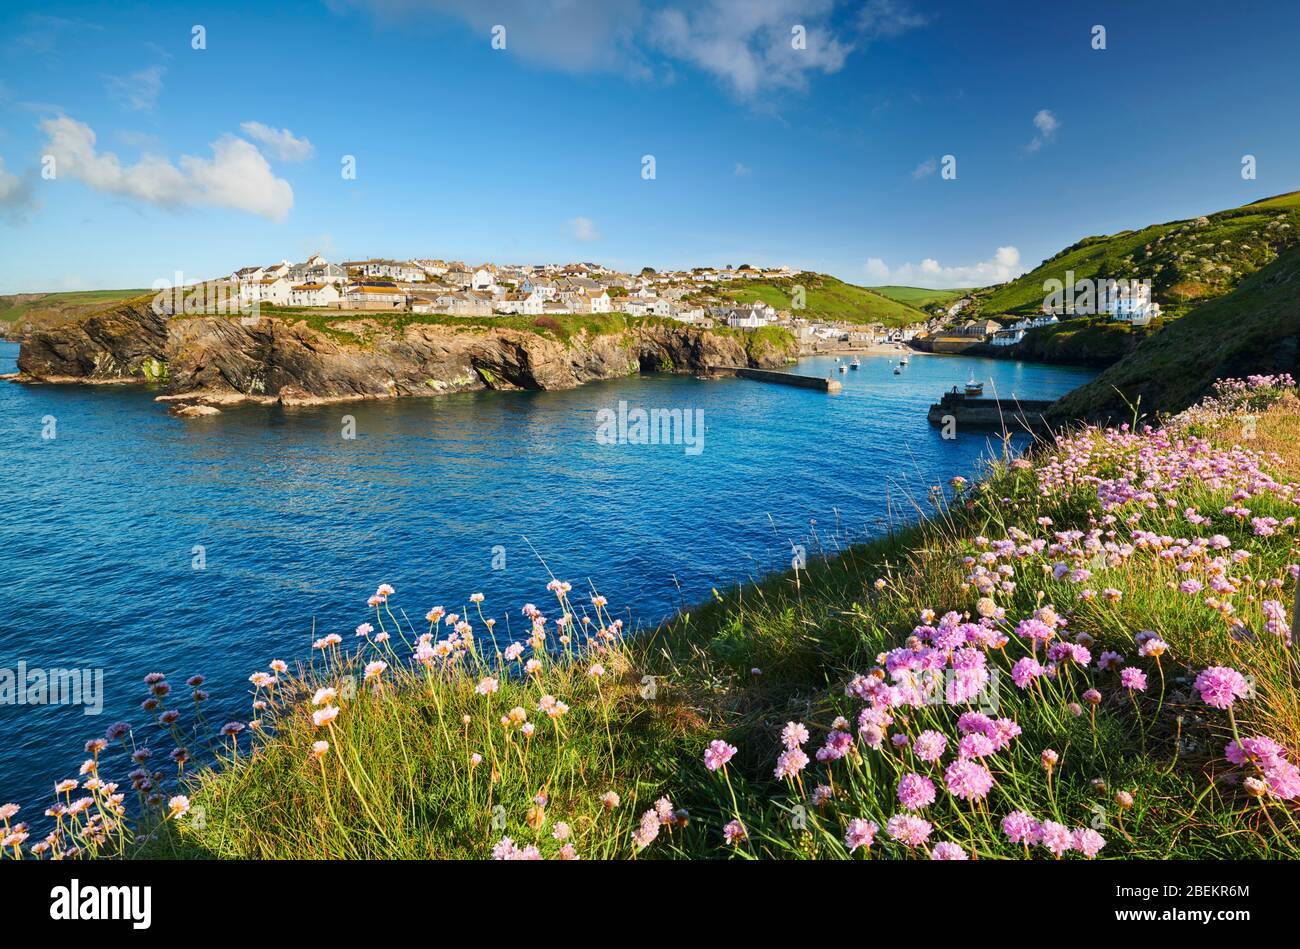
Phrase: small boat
(844, 368)
(902, 361)
(856, 363)
(974, 388)
(897, 371)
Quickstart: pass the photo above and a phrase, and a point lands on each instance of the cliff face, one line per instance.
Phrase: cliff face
(227, 358)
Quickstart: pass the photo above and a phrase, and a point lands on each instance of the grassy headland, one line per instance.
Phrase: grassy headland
(1253, 330)
(47, 309)
(1187, 262)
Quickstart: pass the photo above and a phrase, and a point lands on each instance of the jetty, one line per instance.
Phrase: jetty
(826, 384)
(979, 412)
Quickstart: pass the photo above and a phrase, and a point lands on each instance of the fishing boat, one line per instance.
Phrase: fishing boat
(844, 368)
(897, 371)
(974, 388)
(902, 360)
(856, 363)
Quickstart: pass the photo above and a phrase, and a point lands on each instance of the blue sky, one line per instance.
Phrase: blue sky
(206, 160)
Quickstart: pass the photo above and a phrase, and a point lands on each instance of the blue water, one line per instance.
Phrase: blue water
(98, 525)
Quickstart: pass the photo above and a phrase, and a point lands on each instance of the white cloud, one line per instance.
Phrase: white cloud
(885, 19)
(925, 169)
(745, 44)
(44, 35)
(237, 176)
(16, 195)
(748, 46)
(140, 90)
(1004, 265)
(740, 170)
(1047, 124)
(574, 36)
(583, 229)
(280, 143)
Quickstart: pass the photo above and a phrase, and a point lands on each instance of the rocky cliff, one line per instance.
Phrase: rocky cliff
(298, 359)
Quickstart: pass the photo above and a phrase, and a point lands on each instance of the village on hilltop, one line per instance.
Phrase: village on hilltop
(452, 288)
(702, 296)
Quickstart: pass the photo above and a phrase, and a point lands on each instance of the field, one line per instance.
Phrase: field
(921, 296)
(827, 298)
(50, 308)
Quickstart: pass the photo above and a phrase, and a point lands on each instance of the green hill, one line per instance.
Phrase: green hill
(921, 296)
(827, 298)
(47, 309)
(1252, 330)
(1187, 262)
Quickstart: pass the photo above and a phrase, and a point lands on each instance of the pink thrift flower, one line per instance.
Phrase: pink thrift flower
(860, 833)
(975, 746)
(734, 833)
(1020, 828)
(1220, 686)
(790, 762)
(794, 734)
(915, 791)
(948, 851)
(1132, 678)
(1261, 750)
(1057, 837)
(1283, 780)
(929, 746)
(967, 779)
(1025, 671)
(718, 754)
(1088, 842)
(909, 830)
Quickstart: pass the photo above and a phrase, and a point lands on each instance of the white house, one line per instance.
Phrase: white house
(1034, 322)
(534, 304)
(1132, 304)
(483, 279)
(589, 301)
(1008, 337)
(392, 269)
(314, 294)
(267, 290)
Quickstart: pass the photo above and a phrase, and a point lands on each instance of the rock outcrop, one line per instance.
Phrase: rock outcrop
(219, 359)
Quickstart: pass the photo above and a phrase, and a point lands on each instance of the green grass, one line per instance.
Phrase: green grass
(561, 327)
(398, 780)
(827, 298)
(921, 296)
(59, 306)
(1187, 261)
